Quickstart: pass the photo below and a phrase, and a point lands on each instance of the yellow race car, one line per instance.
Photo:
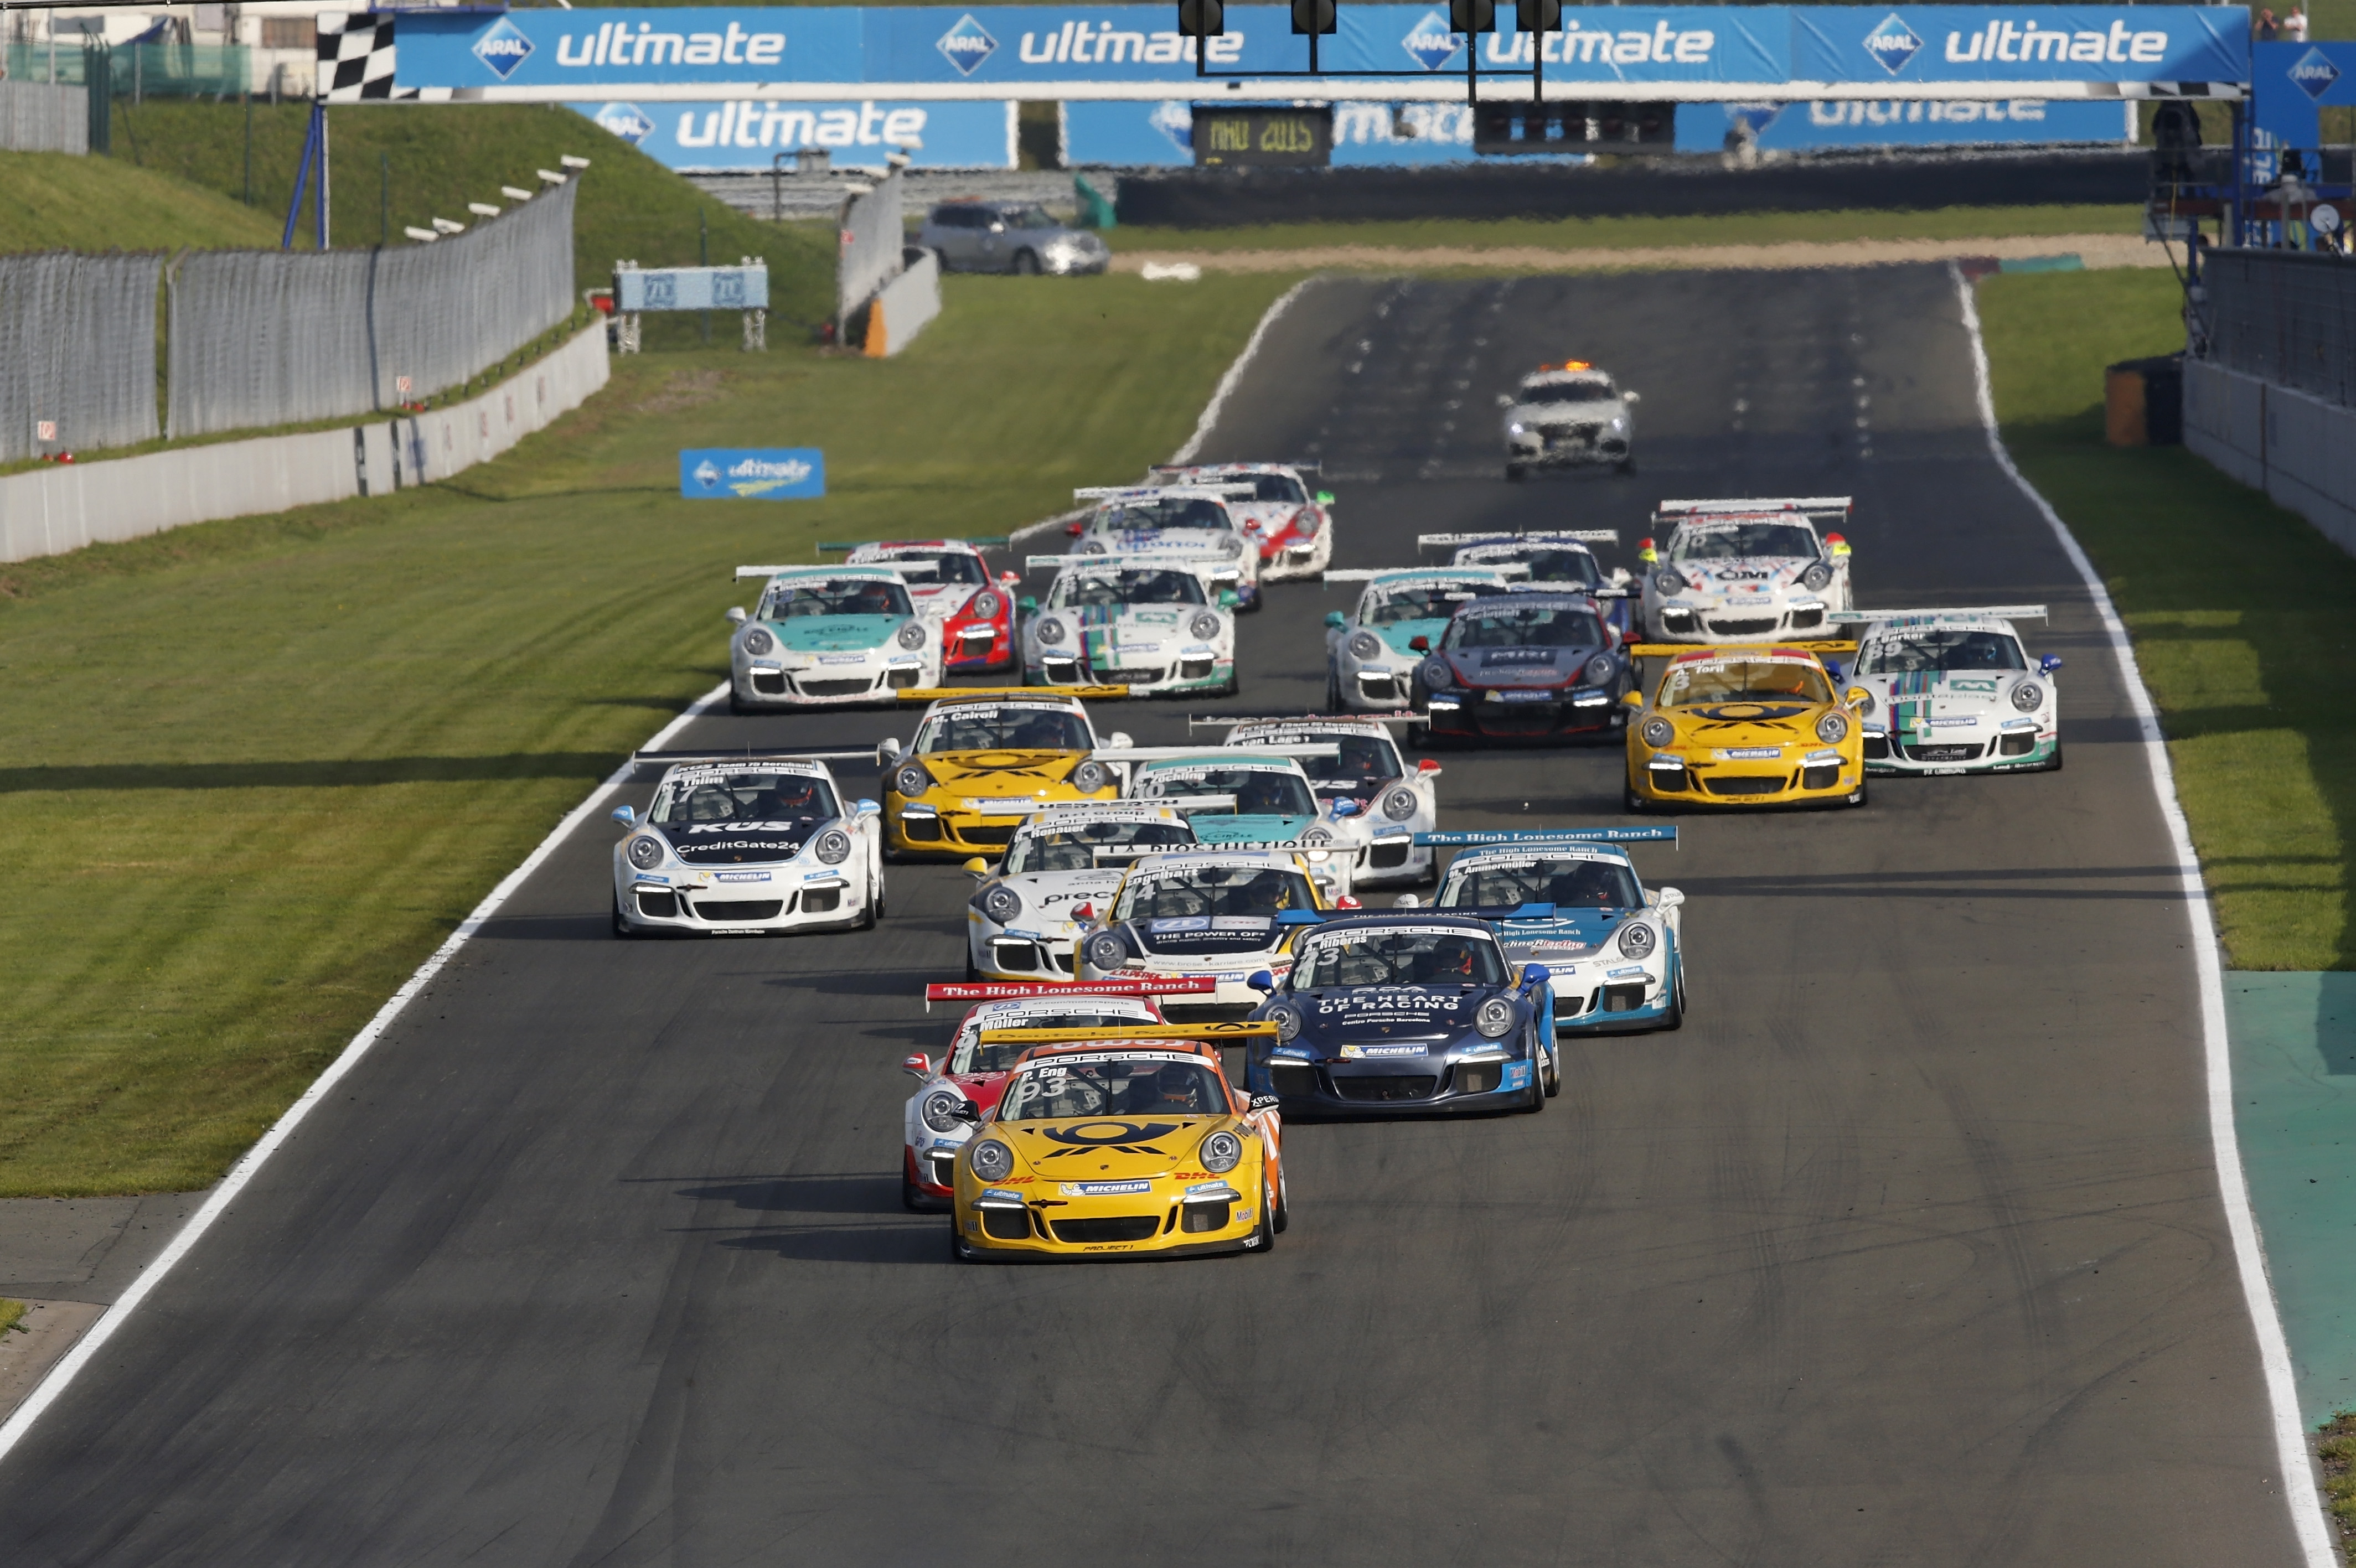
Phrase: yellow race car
(984, 758)
(1745, 725)
(1121, 1142)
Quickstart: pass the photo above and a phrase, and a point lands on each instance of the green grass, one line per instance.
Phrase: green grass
(53, 201)
(2335, 1450)
(373, 710)
(1602, 233)
(12, 1315)
(2238, 609)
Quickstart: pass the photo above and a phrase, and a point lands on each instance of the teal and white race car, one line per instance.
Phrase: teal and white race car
(1371, 654)
(1150, 622)
(1952, 691)
(1237, 798)
(827, 636)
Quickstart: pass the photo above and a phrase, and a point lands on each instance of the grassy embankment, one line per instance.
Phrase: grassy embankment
(52, 201)
(368, 711)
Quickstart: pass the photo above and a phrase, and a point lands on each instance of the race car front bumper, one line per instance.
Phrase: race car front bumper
(1171, 1217)
(1016, 954)
(1682, 778)
(1575, 447)
(1988, 749)
(1387, 1087)
(765, 683)
(1510, 713)
(1187, 672)
(1391, 856)
(929, 828)
(977, 646)
(1613, 998)
(931, 1175)
(826, 901)
(1705, 623)
(1294, 557)
(1375, 689)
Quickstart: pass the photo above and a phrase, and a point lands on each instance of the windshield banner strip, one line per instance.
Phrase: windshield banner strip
(1203, 1031)
(1502, 536)
(1011, 990)
(978, 693)
(1466, 839)
(1985, 613)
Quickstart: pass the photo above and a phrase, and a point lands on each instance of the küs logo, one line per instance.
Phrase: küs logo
(1431, 42)
(1893, 43)
(966, 44)
(2314, 73)
(503, 48)
(627, 121)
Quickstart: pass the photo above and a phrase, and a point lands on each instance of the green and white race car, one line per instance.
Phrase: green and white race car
(1371, 654)
(1150, 622)
(1952, 691)
(827, 637)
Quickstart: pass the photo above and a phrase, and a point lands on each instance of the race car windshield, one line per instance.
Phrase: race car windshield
(1004, 729)
(1568, 392)
(1398, 958)
(835, 596)
(1177, 512)
(1736, 541)
(1526, 626)
(1745, 680)
(746, 799)
(1571, 884)
(1052, 1090)
(1548, 565)
(1923, 653)
(1265, 892)
(1365, 762)
(1258, 792)
(1429, 602)
(1074, 848)
(1142, 586)
(1272, 488)
(972, 1056)
(946, 566)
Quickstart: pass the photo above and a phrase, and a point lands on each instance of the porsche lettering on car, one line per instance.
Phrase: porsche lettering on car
(1952, 691)
(950, 581)
(1292, 527)
(1146, 622)
(1224, 914)
(1745, 570)
(1371, 654)
(827, 636)
(1744, 725)
(747, 845)
(1525, 667)
(983, 759)
(1026, 914)
(1178, 523)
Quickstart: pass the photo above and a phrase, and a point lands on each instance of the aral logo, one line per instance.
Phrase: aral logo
(627, 121)
(2315, 73)
(707, 474)
(966, 44)
(1431, 42)
(1893, 43)
(503, 48)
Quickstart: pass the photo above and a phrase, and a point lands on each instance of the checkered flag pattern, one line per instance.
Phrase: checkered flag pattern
(356, 57)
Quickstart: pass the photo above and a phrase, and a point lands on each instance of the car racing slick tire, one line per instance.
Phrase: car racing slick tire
(2055, 765)
(1675, 1018)
(1632, 803)
(1283, 1206)
(1264, 1239)
(1554, 1072)
(910, 1199)
(1854, 798)
(622, 928)
(1538, 1097)
(958, 1251)
(1332, 688)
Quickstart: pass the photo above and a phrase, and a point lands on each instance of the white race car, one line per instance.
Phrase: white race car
(747, 844)
(1556, 561)
(1952, 691)
(1568, 415)
(1238, 799)
(1061, 865)
(952, 586)
(1746, 571)
(1178, 522)
(1371, 656)
(828, 636)
(1224, 915)
(1144, 622)
(1292, 527)
(1353, 763)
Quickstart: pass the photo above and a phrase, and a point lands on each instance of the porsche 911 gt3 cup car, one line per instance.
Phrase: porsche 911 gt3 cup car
(1371, 654)
(827, 636)
(985, 758)
(1226, 914)
(1744, 725)
(1252, 800)
(1385, 1014)
(1556, 561)
(1144, 622)
(1951, 691)
(1532, 666)
(1293, 530)
(935, 1123)
(1568, 415)
(747, 844)
(950, 581)
(1120, 1142)
(1745, 570)
(1614, 949)
(1354, 764)
(1177, 523)
(1064, 864)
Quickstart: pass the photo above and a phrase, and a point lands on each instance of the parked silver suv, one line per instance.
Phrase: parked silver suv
(1009, 237)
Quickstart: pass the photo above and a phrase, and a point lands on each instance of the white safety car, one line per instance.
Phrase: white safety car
(1371, 654)
(1355, 764)
(1148, 623)
(951, 583)
(1952, 691)
(1224, 914)
(1292, 525)
(1746, 571)
(747, 844)
(1178, 522)
(1062, 864)
(1568, 415)
(827, 636)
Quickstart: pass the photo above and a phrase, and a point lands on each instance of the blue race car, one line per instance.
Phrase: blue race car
(1393, 1014)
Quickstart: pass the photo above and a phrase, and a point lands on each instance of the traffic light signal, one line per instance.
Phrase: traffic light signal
(1314, 16)
(1537, 15)
(1472, 16)
(1202, 19)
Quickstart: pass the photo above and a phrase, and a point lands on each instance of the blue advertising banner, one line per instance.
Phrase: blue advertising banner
(1905, 123)
(582, 50)
(710, 137)
(1365, 134)
(2289, 83)
(2021, 42)
(752, 473)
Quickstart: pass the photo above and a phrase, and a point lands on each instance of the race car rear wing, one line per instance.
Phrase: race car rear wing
(1366, 573)
(685, 758)
(983, 541)
(1212, 721)
(1240, 1029)
(1015, 990)
(1164, 559)
(1532, 536)
(1304, 465)
(1476, 838)
(1034, 693)
(744, 571)
(1211, 491)
(1681, 650)
(1817, 508)
(1978, 612)
(1169, 754)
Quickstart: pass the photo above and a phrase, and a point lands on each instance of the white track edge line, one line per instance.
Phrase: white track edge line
(2300, 1491)
(1234, 376)
(86, 1348)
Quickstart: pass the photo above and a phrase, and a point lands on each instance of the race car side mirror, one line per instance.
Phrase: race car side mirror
(1073, 529)
(1420, 645)
(735, 614)
(1335, 619)
(1534, 975)
(1429, 768)
(626, 816)
(1118, 740)
(918, 1067)
(1260, 980)
(1856, 695)
(1632, 699)
(861, 810)
(1670, 897)
(1631, 397)
(888, 751)
(1324, 497)
(1505, 400)
(1027, 604)
(1406, 901)
(964, 1110)
(1265, 1102)
(2049, 663)
(977, 868)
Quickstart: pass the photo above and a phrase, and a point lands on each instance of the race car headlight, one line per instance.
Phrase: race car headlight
(1091, 776)
(985, 605)
(1222, 1152)
(1051, 631)
(1436, 674)
(2027, 697)
(911, 636)
(1287, 1021)
(1832, 729)
(1817, 578)
(1620, 421)
(1399, 804)
(758, 642)
(1598, 670)
(911, 780)
(1638, 940)
(992, 1160)
(1667, 581)
(1365, 645)
(1495, 1018)
(833, 847)
(1001, 903)
(1658, 732)
(1106, 951)
(937, 1111)
(1205, 625)
(646, 854)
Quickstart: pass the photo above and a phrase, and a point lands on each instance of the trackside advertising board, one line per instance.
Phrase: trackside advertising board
(741, 135)
(752, 473)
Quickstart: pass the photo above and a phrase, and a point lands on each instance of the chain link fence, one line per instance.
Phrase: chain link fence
(873, 238)
(2285, 316)
(268, 337)
(77, 352)
(38, 118)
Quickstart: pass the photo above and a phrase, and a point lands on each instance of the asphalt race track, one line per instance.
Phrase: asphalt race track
(1905, 1250)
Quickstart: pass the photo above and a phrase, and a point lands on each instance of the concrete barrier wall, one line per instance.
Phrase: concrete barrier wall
(2299, 450)
(60, 508)
(907, 303)
(35, 117)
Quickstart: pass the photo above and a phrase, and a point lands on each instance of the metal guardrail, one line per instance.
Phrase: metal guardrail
(2285, 316)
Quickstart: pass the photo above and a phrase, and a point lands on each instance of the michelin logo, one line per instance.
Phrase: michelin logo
(503, 48)
(1893, 43)
(1430, 43)
(966, 44)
